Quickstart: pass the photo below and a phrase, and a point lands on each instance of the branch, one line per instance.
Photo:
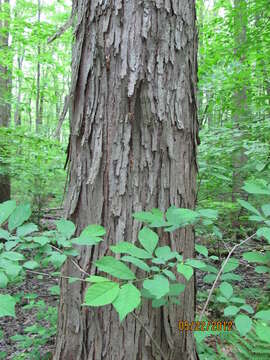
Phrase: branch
(62, 116)
(61, 30)
(220, 272)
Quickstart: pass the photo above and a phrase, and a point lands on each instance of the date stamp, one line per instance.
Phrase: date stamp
(185, 325)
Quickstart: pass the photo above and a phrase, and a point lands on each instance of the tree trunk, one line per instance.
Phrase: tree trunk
(132, 147)
(38, 115)
(17, 115)
(240, 104)
(5, 96)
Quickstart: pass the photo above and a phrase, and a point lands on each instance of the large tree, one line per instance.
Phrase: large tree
(132, 147)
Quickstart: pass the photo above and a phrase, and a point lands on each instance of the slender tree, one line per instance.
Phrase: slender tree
(5, 91)
(132, 147)
(240, 102)
(38, 75)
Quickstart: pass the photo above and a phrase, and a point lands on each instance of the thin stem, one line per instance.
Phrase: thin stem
(220, 272)
(73, 262)
(49, 275)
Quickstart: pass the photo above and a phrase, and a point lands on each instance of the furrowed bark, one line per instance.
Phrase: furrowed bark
(132, 147)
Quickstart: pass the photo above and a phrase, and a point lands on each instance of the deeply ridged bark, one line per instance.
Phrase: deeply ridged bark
(132, 147)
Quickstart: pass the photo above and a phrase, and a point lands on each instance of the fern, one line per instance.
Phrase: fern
(250, 347)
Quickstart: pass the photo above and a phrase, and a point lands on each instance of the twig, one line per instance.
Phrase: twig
(73, 262)
(52, 276)
(150, 336)
(220, 272)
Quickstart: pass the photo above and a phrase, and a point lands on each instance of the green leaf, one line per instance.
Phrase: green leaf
(157, 287)
(263, 315)
(264, 232)
(231, 277)
(209, 278)
(231, 265)
(6, 209)
(156, 303)
(169, 274)
(155, 268)
(179, 217)
(208, 213)
(11, 269)
(247, 308)
(148, 239)
(137, 262)
(96, 279)
(176, 289)
(254, 256)
(201, 250)
(155, 218)
(55, 290)
(262, 269)
(86, 241)
(128, 299)
(222, 299)
(21, 214)
(197, 264)
(9, 245)
(231, 310)
(102, 293)
(266, 209)
(31, 265)
(71, 252)
(66, 228)
(93, 230)
(226, 289)
(4, 234)
(237, 300)
(263, 332)
(12, 255)
(3, 280)
(253, 188)
(144, 216)
(185, 270)
(243, 324)
(146, 294)
(211, 269)
(248, 206)
(57, 259)
(115, 268)
(42, 240)
(26, 229)
(165, 253)
(125, 247)
(256, 218)
(7, 305)
(158, 261)
(90, 235)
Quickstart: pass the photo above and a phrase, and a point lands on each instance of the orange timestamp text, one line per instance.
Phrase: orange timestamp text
(185, 325)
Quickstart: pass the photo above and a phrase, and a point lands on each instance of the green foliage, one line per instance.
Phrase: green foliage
(37, 335)
(35, 167)
(166, 273)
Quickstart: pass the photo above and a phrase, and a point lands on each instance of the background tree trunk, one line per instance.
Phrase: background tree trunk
(240, 104)
(5, 95)
(38, 115)
(132, 147)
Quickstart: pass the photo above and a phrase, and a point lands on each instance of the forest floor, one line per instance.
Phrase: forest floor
(44, 290)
